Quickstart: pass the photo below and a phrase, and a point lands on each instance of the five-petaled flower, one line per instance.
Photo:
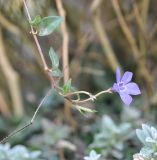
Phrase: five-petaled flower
(125, 87)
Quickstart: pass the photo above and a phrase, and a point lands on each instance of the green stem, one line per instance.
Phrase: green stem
(91, 97)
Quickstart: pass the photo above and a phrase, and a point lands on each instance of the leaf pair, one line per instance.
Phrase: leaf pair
(45, 26)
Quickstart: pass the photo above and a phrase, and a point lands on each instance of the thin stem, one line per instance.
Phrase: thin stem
(91, 97)
(102, 92)
(15, 132)
(29, 17)
(39, 48)
(78, 92)
(35, 113)
(36, 39)
(31, 121)
(95, 96)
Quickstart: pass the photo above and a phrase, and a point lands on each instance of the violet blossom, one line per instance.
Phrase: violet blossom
(124, 87)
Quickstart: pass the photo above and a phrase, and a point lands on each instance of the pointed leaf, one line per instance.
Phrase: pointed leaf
(49, 24)
(54, 58)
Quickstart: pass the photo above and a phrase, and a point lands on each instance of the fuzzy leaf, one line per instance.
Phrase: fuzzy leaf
(153, 133)
(108, 124)
(147, 151)
(146, 130)
(141, 136)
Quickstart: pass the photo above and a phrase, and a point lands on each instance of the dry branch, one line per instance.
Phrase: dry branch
(4, 108)
(126, 29)
(12, 79)
(108, 51)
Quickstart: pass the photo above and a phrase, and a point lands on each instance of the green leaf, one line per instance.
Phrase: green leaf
(67, 86)
(36, 21)
(57, 73)
(54, 58)
(49, 24)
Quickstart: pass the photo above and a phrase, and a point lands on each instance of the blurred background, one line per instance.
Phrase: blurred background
(103, 34)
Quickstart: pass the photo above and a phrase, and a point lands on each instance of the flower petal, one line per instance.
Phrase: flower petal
(115, 88)
(118, 75)
(133, 89)
(126, 98)
(127, 77)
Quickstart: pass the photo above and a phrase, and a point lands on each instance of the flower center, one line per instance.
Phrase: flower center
(121, 86)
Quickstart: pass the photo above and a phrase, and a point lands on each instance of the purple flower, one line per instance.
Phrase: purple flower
(124, 87)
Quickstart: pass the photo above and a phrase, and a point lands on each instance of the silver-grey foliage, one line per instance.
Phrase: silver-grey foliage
(110, 138)
(18, 152)
(148, 136)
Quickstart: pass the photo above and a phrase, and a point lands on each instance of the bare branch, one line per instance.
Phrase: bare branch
(31, 121)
